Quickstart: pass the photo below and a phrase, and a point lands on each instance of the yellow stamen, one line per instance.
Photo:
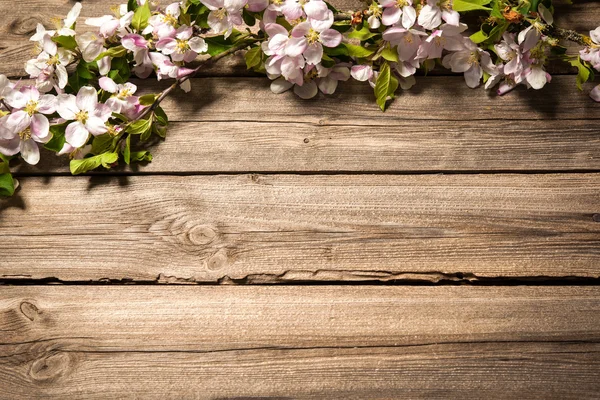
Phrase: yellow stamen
(26, 134)
(31, 107)
(82, 116)
(312, 36)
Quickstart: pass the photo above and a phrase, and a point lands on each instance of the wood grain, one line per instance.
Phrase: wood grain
(285, 228)
(238, 125)
(19, 23)
(299, 342)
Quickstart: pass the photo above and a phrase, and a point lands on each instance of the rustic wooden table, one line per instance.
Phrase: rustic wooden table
(435, 250)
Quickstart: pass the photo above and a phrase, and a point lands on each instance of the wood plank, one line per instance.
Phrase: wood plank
(300, 342)
(238, 125)
(285, 228)
(20, 22)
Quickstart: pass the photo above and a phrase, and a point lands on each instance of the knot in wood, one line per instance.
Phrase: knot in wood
(49, 368)
(29, 310)
(24, 26)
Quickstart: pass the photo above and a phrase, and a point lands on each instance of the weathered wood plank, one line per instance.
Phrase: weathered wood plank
(300, 342)
(19, 23)
(282, 228)
(238, 125)
(402, 147)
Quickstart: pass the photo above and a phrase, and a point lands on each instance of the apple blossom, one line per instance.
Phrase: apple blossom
(472, 61)
(591, 53)
(224, 15)
(432, 14)
(396, 9)
(87, 114)
(50, 66)
(183, 47)
(313, 36)
(110, 25)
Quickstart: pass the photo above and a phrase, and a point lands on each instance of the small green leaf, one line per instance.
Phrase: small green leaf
(470, 5)
(382, 85)
(161, 116)
(87, 164)
(7, 183)
(139, 127)
(67, 42)
(113, 52)
(147, 99)
(141, 156)
(361, 34)
(358, 51)
(102, 144)
(248, 18)
(127, 150)
(390, 54)
(58, 138)
(141, 16)
(253, 57)
(479, 37)
(584, 73)
(132, 5)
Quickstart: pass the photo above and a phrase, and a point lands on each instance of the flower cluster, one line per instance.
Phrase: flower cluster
(81, 101)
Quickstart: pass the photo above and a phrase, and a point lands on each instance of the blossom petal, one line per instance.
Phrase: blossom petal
(198, 45)
(391, 16)
(473, 76)
(280, 85)
(595, 93)
(316, 9)
(306, 91)
(295, 46)
(76, 134)
(108, 85)
(40, 128)
(314, 53)
(430, 17)
(10, 147)
(95, 125)
(409, 17)
(327, 85)
(331, 38)
(361, 72)
(87, 98)
(47, 104)
(67, 106)
(30, 151)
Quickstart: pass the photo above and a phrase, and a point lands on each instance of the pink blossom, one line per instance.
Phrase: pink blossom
(595, 93)
(49, 68)
(435, 11)
(407, 40)
(447, 37)
(27, 125)
(591, 54)
(87, 114)
(472, 61)
(361, 73)
(224, 15)
(183, 47)
(396, 9)
(311, 37)
(122, 100)
(110, 25)
(316, 77)
(139, 46)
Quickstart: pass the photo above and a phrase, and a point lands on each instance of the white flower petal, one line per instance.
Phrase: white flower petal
(30, 151)
(76, 134)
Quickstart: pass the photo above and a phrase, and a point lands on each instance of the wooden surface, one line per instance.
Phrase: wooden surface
(299, 342)
(397, 240)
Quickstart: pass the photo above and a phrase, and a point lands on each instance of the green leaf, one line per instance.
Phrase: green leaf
(470, 5)
(139, 127)
(132, 5)
(253, 57)
(358, 51)
(141, 156)
(160, 130)
(58, 138)
(584, 73)
(113, 52)
(141, 16)
(102, 144)
(83, 70)
(382, 85)
(67, 42)
(362, 34)
(7, 183)
(218, 44)
(161, 116)
(248, 18)
(147, 99)
(87, 164)
(479, 37)
(127, 150)
(390, 54)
